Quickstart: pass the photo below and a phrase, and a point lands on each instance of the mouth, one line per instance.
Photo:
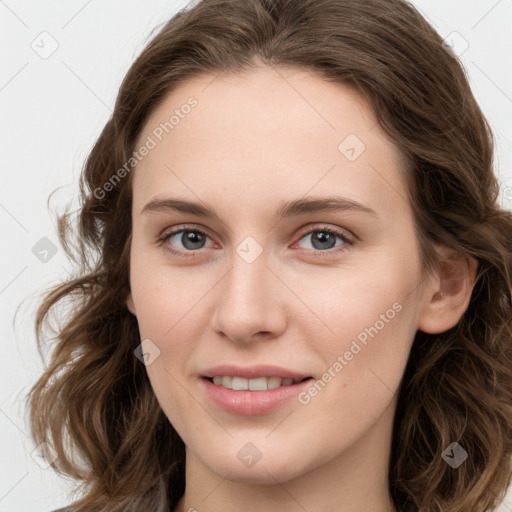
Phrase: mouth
(259, 395)
(256, 384)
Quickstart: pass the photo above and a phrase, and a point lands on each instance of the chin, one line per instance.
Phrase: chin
(276, 468)
(264, 475)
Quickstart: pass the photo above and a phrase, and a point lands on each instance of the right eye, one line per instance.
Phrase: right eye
(190, 239)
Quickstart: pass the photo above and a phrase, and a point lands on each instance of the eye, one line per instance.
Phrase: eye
(323, 239)
(190, 240)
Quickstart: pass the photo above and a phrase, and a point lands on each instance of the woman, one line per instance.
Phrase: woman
(295, 289)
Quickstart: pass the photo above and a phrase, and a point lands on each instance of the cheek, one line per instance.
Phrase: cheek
(368, 324)
(170, 305)
(171, 319)
(357, 301)
(164, 295)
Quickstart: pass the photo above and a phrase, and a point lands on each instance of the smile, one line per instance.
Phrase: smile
(260, 398)
(258, 384)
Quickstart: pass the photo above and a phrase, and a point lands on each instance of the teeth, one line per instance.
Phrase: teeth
(274, 382)
(259, 384)
(239, 384)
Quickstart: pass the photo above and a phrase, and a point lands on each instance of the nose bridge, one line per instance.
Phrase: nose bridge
(247, 301)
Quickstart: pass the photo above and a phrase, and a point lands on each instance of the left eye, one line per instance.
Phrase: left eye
(325, 238)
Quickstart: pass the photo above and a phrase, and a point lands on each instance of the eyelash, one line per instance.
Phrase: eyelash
(316, 253)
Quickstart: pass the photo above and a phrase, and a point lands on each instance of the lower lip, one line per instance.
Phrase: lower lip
(251, 402)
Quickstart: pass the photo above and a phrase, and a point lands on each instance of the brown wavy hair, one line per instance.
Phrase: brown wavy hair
(94, 403)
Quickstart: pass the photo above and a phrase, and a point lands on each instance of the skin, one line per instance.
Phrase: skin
(253, 141)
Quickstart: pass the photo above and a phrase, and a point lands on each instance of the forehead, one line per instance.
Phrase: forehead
(271, 133)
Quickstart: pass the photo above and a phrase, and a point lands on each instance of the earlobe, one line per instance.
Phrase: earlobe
(450, 296)
(130, 304)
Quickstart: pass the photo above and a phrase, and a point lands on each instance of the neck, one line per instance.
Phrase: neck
(356, 480)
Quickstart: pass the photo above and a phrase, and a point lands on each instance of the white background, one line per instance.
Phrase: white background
(53, 109)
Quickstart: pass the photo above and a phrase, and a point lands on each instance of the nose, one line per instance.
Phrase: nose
(249, 302)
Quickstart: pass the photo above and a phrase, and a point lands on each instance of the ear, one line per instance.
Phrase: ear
(130, 304)
(450, 293)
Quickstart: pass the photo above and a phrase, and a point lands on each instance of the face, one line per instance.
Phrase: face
(326, 290)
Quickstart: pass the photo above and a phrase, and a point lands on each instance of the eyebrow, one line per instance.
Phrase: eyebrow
(289, 209)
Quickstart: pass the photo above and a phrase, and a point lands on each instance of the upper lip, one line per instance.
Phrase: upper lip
(253, 372)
